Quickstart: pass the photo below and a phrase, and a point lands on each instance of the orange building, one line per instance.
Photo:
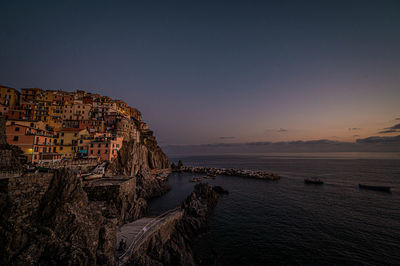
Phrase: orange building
(37, 145)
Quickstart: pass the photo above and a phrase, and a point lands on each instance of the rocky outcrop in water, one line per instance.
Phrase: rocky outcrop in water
(147, 186)
(258, 174)
(171, 245)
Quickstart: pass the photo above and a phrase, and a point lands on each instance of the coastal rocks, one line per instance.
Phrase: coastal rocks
(230, 172)
(148, 187)
(117, 198)
(47, 219)
(220, 190)
(171, 244)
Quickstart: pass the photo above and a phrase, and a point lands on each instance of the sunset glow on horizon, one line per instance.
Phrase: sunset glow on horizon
(218, 72)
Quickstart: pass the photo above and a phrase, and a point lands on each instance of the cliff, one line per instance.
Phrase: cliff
(47, 219)
(135, 157)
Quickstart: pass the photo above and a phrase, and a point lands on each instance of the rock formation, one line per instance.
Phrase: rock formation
(47, 219)
(171, 245)
(136, 157)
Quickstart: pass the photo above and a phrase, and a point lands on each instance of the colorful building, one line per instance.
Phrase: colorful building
(9, 96)
(37, 145)
(105, 148)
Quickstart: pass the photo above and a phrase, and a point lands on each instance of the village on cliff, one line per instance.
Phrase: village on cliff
(56, 125)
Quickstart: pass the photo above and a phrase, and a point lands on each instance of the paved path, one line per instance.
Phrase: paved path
(136, 232)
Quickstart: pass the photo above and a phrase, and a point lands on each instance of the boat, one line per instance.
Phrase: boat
(313, 181)
(195, 179)
(377, 188)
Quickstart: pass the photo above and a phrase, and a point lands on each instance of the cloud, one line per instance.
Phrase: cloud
(392, 129)
(227, 137)
(380, 140)
(370, 144)
(354, 128)
(275, 130)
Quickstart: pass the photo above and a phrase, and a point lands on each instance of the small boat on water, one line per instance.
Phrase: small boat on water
(376, 188)
(195, 179)
(313, 181)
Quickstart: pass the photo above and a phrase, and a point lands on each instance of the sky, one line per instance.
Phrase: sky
(218, 71)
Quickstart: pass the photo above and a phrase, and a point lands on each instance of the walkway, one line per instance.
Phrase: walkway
(135, 233)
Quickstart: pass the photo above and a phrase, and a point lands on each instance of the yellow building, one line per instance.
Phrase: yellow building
(67, 141)
(55, 113)
(9, 96)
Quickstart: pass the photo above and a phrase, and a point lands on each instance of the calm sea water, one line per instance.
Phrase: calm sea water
(289, 223)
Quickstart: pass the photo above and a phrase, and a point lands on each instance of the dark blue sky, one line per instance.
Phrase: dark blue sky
(217, 71)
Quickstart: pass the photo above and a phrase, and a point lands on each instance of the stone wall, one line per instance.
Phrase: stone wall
(26, 194)
(110, 192)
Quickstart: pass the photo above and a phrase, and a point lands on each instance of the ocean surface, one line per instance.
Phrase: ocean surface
(286, 222)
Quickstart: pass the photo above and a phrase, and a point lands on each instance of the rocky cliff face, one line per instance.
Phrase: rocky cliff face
(171, 245)
(135, 157)
(47, 219)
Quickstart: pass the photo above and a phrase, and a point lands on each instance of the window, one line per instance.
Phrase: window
(61, 148)
(91, 151)
(54, 149)
(15, 138)
(62, 134)
(62, 141)
(35, 156)
(91, 145)
(106, 145)
(44, 149)
(98, 152)
(17, 129)
(99, 145)
(81, 141)
(36, 149)
(106, 151)
(32, 124)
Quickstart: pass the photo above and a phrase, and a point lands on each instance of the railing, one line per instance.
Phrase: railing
(140, 236)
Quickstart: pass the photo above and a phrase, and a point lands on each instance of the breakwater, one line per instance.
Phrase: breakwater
(259, 174)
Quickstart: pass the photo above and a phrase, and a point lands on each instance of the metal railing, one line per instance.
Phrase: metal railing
(140, 236)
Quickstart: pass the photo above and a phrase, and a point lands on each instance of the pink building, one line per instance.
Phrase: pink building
(105, 148)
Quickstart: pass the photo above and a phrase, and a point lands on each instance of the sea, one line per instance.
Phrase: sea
(287, 222)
